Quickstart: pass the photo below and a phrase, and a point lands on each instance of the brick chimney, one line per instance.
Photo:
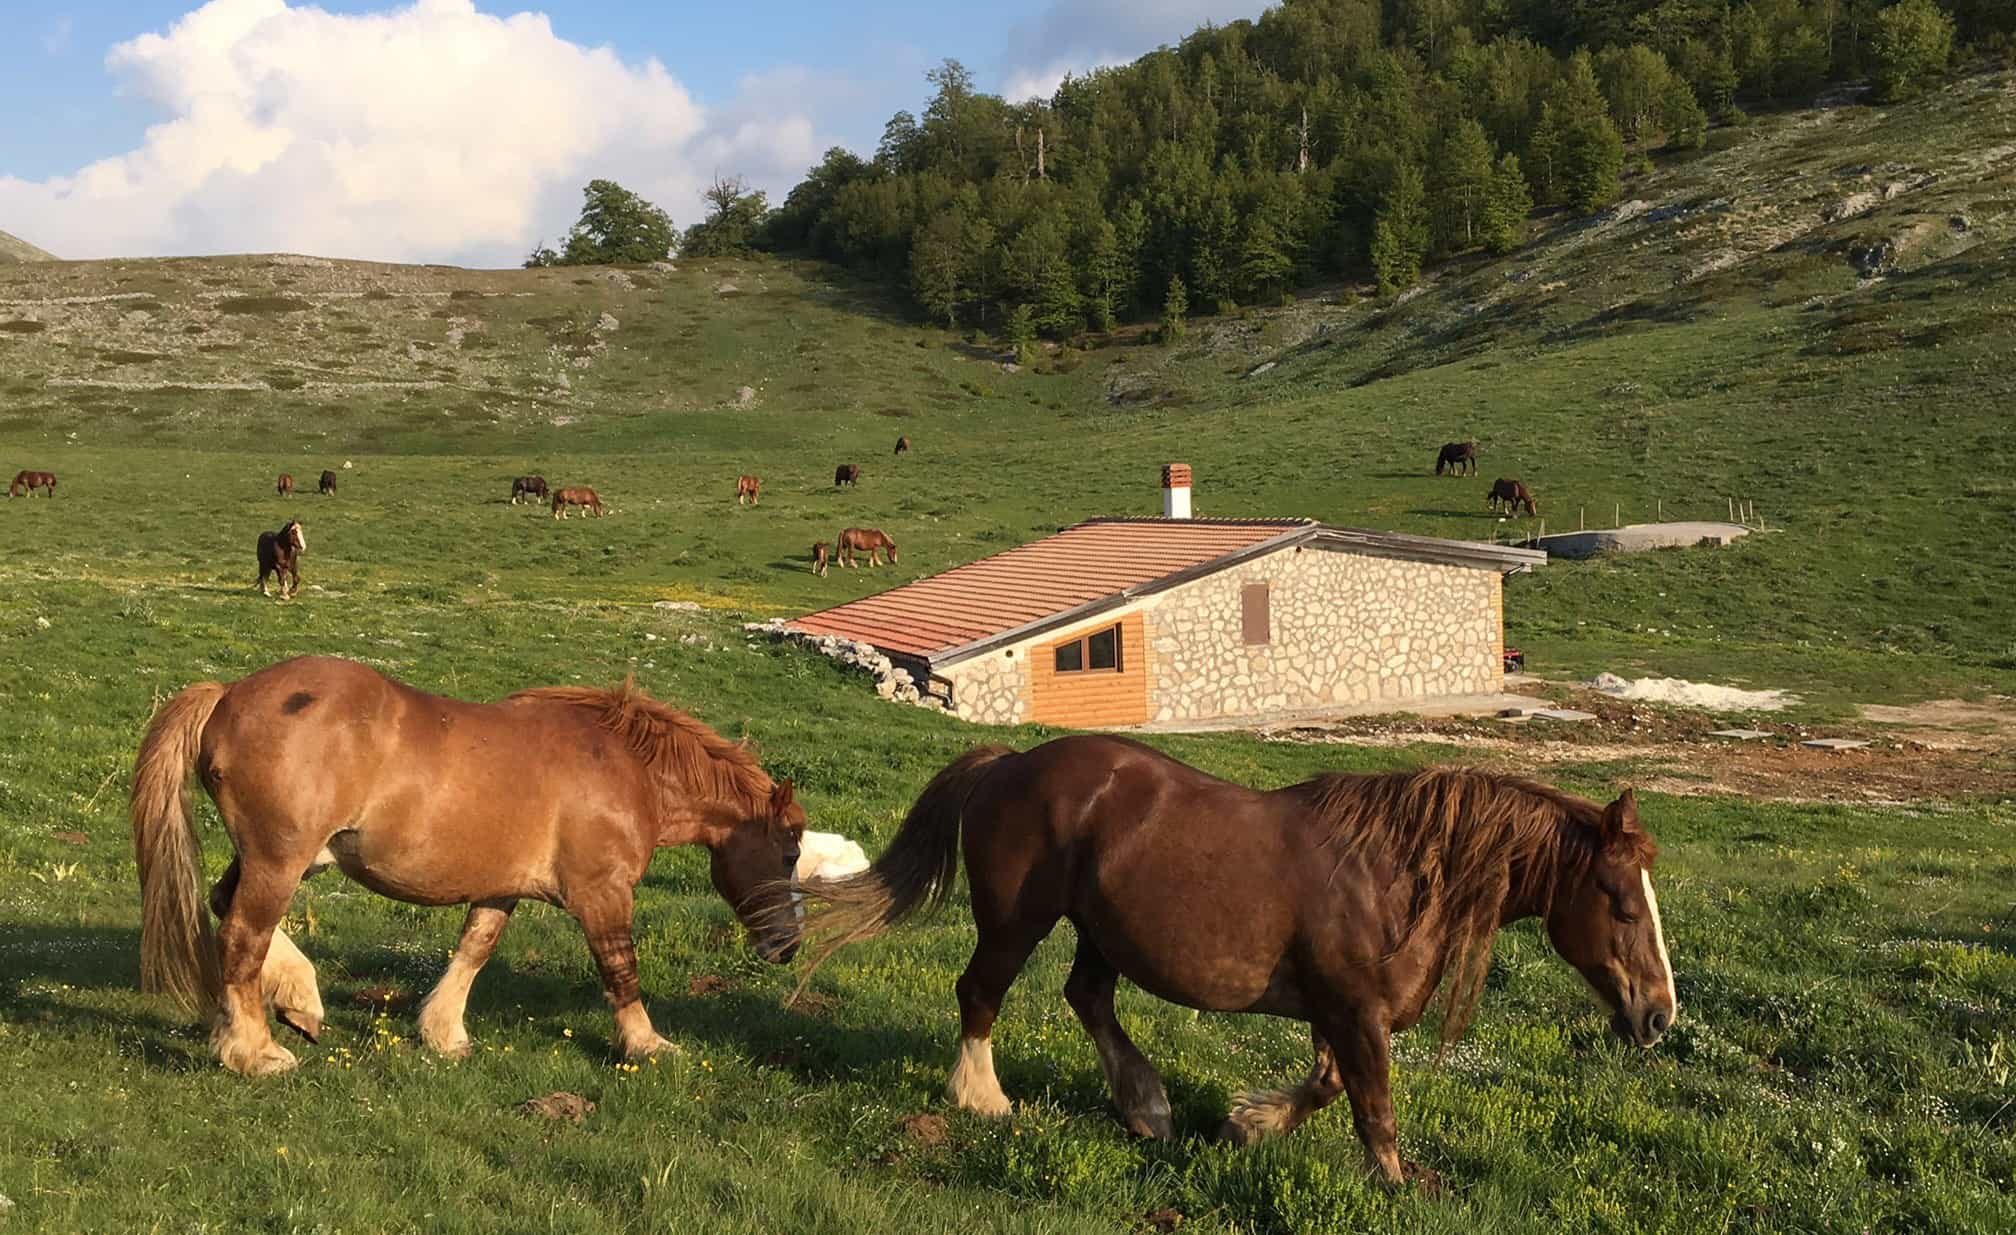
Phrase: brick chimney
(1176, 491)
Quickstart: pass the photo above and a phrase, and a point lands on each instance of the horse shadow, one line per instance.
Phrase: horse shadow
(1444, 513)
(48, 970)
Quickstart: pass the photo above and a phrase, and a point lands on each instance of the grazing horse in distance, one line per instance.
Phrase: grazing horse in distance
(581, 496)
(285, 485)
(820, 558)
(748, 489)
(328, 485)
(1346, 901)
(1509, 495)
(280, 556)
(870, 540)
(846, 474)
(1455, 457)
(559, 794)
(25, 484)
(533, 487)
(903, 445)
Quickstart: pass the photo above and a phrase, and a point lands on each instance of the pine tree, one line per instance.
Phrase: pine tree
(1462, 184)
(1059, 311)
(1506, 207)
(1589, 153)
(1264, 264)
(938, 266)
(1131, 235)
(1020, 334)
(1104, 274)
(1175, 307)
(1400, 232)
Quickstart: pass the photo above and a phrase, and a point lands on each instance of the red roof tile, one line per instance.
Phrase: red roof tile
(1090, 562)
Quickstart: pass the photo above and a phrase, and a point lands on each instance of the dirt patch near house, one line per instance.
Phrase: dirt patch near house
(1941, 750)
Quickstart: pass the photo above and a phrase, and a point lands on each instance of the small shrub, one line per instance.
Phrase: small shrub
(262, 305)
(22, 325)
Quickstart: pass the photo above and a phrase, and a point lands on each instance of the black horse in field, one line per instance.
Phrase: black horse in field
(1456, 457)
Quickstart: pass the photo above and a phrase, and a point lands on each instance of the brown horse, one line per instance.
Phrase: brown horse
(559, 794)
(820, 557)
(533, 487)
(1344, 901)
(903, 445)
(748, 489)
(870, 540)
(280, 556)
(1455, 457)
(25, 483)
(1509, 495)
(846, 474)
(285, 485)
(328, 484)
(581, 496)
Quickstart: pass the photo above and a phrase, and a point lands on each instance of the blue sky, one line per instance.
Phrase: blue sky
(254, 114)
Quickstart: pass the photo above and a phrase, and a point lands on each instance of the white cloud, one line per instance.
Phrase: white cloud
(1074, 36)
(428, 132)
(1042, 83)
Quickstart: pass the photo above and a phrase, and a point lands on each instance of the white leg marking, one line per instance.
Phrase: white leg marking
(973, 1084)
(1659, 936)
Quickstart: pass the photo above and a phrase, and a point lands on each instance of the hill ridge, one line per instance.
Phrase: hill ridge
(15, 249)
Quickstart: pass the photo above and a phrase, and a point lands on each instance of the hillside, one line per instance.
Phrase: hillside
(15, 249)
(1804, 316)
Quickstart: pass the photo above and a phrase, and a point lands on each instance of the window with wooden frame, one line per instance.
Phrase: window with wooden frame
(1098, 652)
(1256, 620)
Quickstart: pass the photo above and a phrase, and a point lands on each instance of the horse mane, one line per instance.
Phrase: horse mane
(1472, 842)
(691, 758)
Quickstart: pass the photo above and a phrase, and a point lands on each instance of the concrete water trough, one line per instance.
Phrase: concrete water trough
(1636, 538)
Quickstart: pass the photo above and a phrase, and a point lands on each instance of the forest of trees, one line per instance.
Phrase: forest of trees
(1328, 139)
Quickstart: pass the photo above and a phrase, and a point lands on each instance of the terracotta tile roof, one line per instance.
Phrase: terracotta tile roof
(1093, 561)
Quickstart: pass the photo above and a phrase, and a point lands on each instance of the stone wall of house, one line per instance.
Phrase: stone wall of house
(991, 689)
(1347, 630)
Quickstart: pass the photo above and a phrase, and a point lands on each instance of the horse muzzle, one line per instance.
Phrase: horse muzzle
(1643, 1030)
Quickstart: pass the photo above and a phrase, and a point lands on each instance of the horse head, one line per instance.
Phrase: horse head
(753, 867)
(1607, 926)
(293, 534)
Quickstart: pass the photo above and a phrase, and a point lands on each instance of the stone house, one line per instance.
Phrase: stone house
(1132, 621)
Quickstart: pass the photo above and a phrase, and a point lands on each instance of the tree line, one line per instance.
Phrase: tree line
(1328, 139)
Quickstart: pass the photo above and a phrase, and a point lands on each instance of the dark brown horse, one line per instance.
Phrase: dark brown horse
(285, 485)
(559, 794)
(1455, 457)
(748, 489)
(280, 556)
(903, 445)
(1344, 901)
(328, 485)
(869, 540)
(533, 487)
(846, 474)
(1509, 495)
(25, 483)
(581, 496)
(820, 557)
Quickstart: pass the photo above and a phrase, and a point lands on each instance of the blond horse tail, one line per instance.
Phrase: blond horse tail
(178, 949)
(917, 870)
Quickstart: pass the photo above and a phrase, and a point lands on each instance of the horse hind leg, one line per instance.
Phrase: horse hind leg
(997, 961)
(1136, 1087)
(287, 979)
(1262, 1114)
(240, 1036)
(441, 1024)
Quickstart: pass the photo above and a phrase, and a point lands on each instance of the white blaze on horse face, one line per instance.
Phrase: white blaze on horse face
(300, 539)
(1659, 937)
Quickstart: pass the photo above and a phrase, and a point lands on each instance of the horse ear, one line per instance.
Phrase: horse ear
(1620, 816)
(780, 796)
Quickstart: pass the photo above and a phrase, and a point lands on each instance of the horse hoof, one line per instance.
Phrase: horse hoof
(307, 1024)
(1232, 1132)
(271, 1060)
(657, 1044)
(1153, 1126)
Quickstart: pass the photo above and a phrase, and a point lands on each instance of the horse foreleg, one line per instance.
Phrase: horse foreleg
(441, 1026)
(1137, 1089)
(1364, 1063)
(240, 1036)
(1259, 1115)
(605, 918)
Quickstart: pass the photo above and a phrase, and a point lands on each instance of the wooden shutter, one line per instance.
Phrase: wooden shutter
(1255, 621)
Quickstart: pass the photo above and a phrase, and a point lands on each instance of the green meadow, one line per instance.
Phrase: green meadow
(1847, 973)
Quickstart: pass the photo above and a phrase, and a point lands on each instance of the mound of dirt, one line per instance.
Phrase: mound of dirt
(1690, 694)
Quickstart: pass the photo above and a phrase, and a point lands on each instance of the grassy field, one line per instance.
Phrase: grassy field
(1845, 1054)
